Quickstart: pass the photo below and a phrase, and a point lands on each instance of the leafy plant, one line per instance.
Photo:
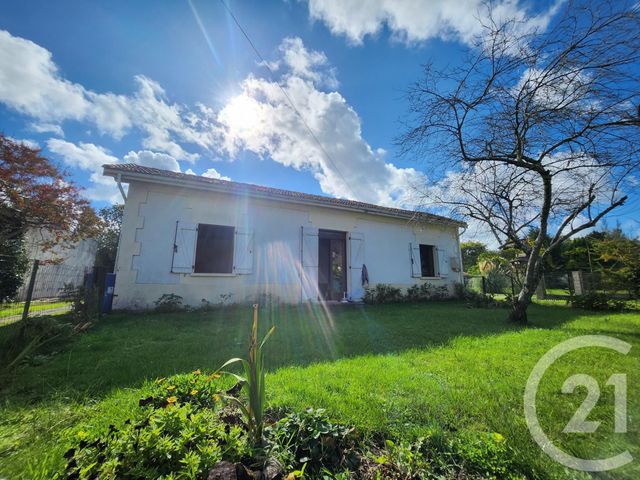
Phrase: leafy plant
(168, 302)
(309, 441)
(597, 301)
(201, 390)
(252, 383)
(179, 441)
(85, 302)
(382, 293)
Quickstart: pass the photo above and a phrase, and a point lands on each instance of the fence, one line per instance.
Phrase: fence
(556, 285)
(49, 289)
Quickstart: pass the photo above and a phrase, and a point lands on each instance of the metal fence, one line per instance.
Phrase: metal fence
(49, 289)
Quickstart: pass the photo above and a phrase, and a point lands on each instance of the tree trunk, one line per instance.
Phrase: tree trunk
(522, 301)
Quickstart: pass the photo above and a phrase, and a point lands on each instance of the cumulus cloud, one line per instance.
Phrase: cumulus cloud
(88, 157)
(213, 173)
(152, 159)
(32, 84)
(413, 21)
(260, 119)
(304, 63)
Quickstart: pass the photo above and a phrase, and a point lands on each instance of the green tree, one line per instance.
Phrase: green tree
(471, 251)
(109, 236)
(13, 259)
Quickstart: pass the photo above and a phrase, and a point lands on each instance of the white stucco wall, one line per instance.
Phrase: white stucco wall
(146, 245)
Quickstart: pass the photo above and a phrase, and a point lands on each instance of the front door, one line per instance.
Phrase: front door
(332, 264)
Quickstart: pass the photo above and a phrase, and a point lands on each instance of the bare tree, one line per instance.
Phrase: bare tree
(536, 130)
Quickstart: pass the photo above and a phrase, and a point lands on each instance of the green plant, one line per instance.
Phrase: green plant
(85, 302)
(597, 301)
(201, 390)
(168, 302)
(382, 293)
(252, 382)
(309, 441)
(178, 441)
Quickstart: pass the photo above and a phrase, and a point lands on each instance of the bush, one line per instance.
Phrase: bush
(597, 301)
(168, 302)
(179, 441)
(85, 302)
(382, 293)
(310, 442)
(199, 389)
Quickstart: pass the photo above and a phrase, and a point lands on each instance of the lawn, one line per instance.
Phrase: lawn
(13, 309)
(398, 371)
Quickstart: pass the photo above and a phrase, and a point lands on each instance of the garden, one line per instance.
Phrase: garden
(432, 390)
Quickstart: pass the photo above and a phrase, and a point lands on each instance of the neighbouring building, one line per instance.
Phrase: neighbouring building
(205, 239)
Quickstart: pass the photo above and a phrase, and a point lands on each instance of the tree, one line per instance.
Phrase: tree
(13, 262)
(39, 195)
(535, 129)
(620, 257)
(470, 253)
(109, 236)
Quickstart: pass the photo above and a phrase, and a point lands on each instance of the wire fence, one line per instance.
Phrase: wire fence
(49, 289)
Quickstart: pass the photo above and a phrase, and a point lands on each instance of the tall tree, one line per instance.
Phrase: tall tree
(535, 129)
(471, 251)
(34, 193)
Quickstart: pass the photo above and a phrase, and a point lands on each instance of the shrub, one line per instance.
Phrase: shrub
(382, 293)
(309, 441)
(179, 441)
(597, 301)
(168, 302)
(201, 390)
(85, 302)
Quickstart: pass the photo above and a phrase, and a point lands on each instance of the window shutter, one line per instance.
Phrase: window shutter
(184, 247)
(442, 262)
(356, 259)
(243, 251)
(309, 254)
(416, 266)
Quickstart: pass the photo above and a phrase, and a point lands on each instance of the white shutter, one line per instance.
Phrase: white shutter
(356, 259)
(416, 266)
(309, 254)
(184, 247)
(442, 262)
(243, 251)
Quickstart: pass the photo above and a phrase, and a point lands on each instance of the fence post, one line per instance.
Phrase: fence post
(541, 290)
(32, 282)
(484, 285)
(578, 282)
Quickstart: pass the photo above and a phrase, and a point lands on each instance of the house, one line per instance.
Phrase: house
(204, 238)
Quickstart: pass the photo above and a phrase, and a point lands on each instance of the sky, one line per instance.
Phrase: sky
(176, 85)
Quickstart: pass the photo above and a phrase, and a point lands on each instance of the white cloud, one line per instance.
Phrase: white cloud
(25, 141)
(308, 64)
(412, 21)
(47, 128)
(152, 159)
(213, 173)
(31, 83)
(89, 157)
(261, 120)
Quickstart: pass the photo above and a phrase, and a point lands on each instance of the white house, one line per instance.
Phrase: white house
(203, 238)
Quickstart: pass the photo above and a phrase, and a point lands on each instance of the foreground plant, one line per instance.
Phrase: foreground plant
(252, 383)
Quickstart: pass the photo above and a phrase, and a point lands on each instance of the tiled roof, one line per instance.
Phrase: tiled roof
(131, 170)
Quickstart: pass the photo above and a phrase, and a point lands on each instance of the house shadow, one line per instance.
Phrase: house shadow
(126, 349)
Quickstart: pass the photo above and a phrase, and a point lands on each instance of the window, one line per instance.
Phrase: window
(214, 249)
(428, 260)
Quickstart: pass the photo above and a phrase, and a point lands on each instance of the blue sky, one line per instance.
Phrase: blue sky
(176, 85)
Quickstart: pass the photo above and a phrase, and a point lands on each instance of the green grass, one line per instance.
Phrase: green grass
(11, 309)
(391, 370)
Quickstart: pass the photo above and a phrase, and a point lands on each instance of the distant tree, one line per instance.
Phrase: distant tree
(34, 193)
(111, 219)
(470, 253)
(13, 261)
(534, 129)
(619, 256)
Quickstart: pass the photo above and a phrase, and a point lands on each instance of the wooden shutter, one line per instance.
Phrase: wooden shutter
(356, 259)
(309, 260)
(442, 262)
(184, 247)
(416, 266)
(243, 251)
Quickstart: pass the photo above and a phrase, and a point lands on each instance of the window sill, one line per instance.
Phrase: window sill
(432, 278)
(213, 274)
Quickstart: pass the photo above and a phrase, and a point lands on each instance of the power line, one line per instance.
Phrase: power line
(284, 92)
